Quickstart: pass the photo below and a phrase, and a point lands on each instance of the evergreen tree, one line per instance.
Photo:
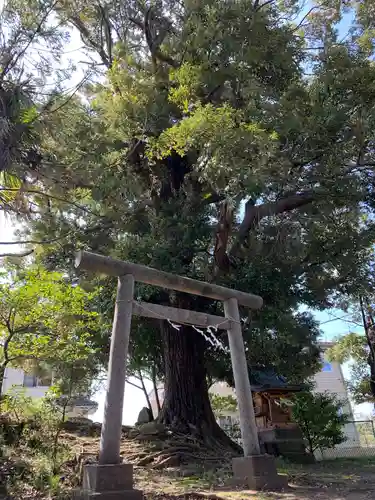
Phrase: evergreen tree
(226, 141)
(321, 419)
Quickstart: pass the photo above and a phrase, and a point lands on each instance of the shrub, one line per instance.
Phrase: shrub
(321, 419)
(31, 430)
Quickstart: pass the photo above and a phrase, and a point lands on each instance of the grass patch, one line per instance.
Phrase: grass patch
(335, 463)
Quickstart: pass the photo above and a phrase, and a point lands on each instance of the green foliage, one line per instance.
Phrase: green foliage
(30, 76)
(35, 415)
(321, 419)
(357, 348)
(361, 383)
(38, 426)
(366, 433)
(44, 319)
(350, 346)
(223, 404)
(354, 348)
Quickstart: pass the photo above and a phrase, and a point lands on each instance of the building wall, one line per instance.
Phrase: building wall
(14, 379)
(331, 379)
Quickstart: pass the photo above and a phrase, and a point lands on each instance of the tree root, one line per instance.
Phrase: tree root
(161, 447)
(156, 447)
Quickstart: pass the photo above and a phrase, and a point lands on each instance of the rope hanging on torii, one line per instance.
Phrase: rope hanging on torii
(211, 329)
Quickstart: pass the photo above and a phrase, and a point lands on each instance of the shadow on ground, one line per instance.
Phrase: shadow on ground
(331, 480)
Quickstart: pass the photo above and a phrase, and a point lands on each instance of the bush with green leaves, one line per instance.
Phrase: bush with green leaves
(33, 454)
(321, 419)
(44, 320)
(223, 404)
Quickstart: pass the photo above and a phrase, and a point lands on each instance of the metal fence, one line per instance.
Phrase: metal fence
(366, 432)
(360, 439)
(360, 442)
(231, 426)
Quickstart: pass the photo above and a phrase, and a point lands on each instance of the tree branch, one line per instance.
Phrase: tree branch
(258, 7)
(7, 341)
(25, 356)
(52, 197)
(134, 385)
(359, 165)
(37, 327)
(88, 40)
(24, 254)
(137, 22)
(10, 64)
(154, 42)
(307, 15)
(35, 242)
(254, 213)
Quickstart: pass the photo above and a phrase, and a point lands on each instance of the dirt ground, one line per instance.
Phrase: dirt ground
(340, 479)
(330, 480)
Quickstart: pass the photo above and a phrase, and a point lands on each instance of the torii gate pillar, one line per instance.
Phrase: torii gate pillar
(110, 479)
(254, 470)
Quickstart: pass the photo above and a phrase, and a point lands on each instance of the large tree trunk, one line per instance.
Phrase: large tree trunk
(186, 406)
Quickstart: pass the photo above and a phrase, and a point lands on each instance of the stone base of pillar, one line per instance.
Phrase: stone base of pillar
(109, 482)
(258, 472)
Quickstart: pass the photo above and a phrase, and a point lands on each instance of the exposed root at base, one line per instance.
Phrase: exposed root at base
(160, 447)
(151, 445)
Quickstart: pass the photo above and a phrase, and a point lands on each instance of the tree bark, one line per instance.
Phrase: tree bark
(370, 341)
(144, 389)
(2, 376)
(155, 388)
(186, 406)
(254, 213)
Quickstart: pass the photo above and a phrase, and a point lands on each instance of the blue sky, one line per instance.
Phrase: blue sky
(334, 323)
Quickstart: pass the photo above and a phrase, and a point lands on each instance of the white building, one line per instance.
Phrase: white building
(36, 387)
(331, 379)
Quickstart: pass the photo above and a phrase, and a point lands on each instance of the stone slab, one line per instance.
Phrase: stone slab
(287, 433)
(114, 495)
(278, 483)
(258, 472)
(107, 478)
(300, 458)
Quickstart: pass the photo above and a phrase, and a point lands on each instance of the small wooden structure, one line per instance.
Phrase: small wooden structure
(278, 434)
(270, 391)
(110, 475)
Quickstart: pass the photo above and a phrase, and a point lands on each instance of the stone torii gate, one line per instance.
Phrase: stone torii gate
(111, 478)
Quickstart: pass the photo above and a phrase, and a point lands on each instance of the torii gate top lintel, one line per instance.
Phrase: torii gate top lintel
(113, 267)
